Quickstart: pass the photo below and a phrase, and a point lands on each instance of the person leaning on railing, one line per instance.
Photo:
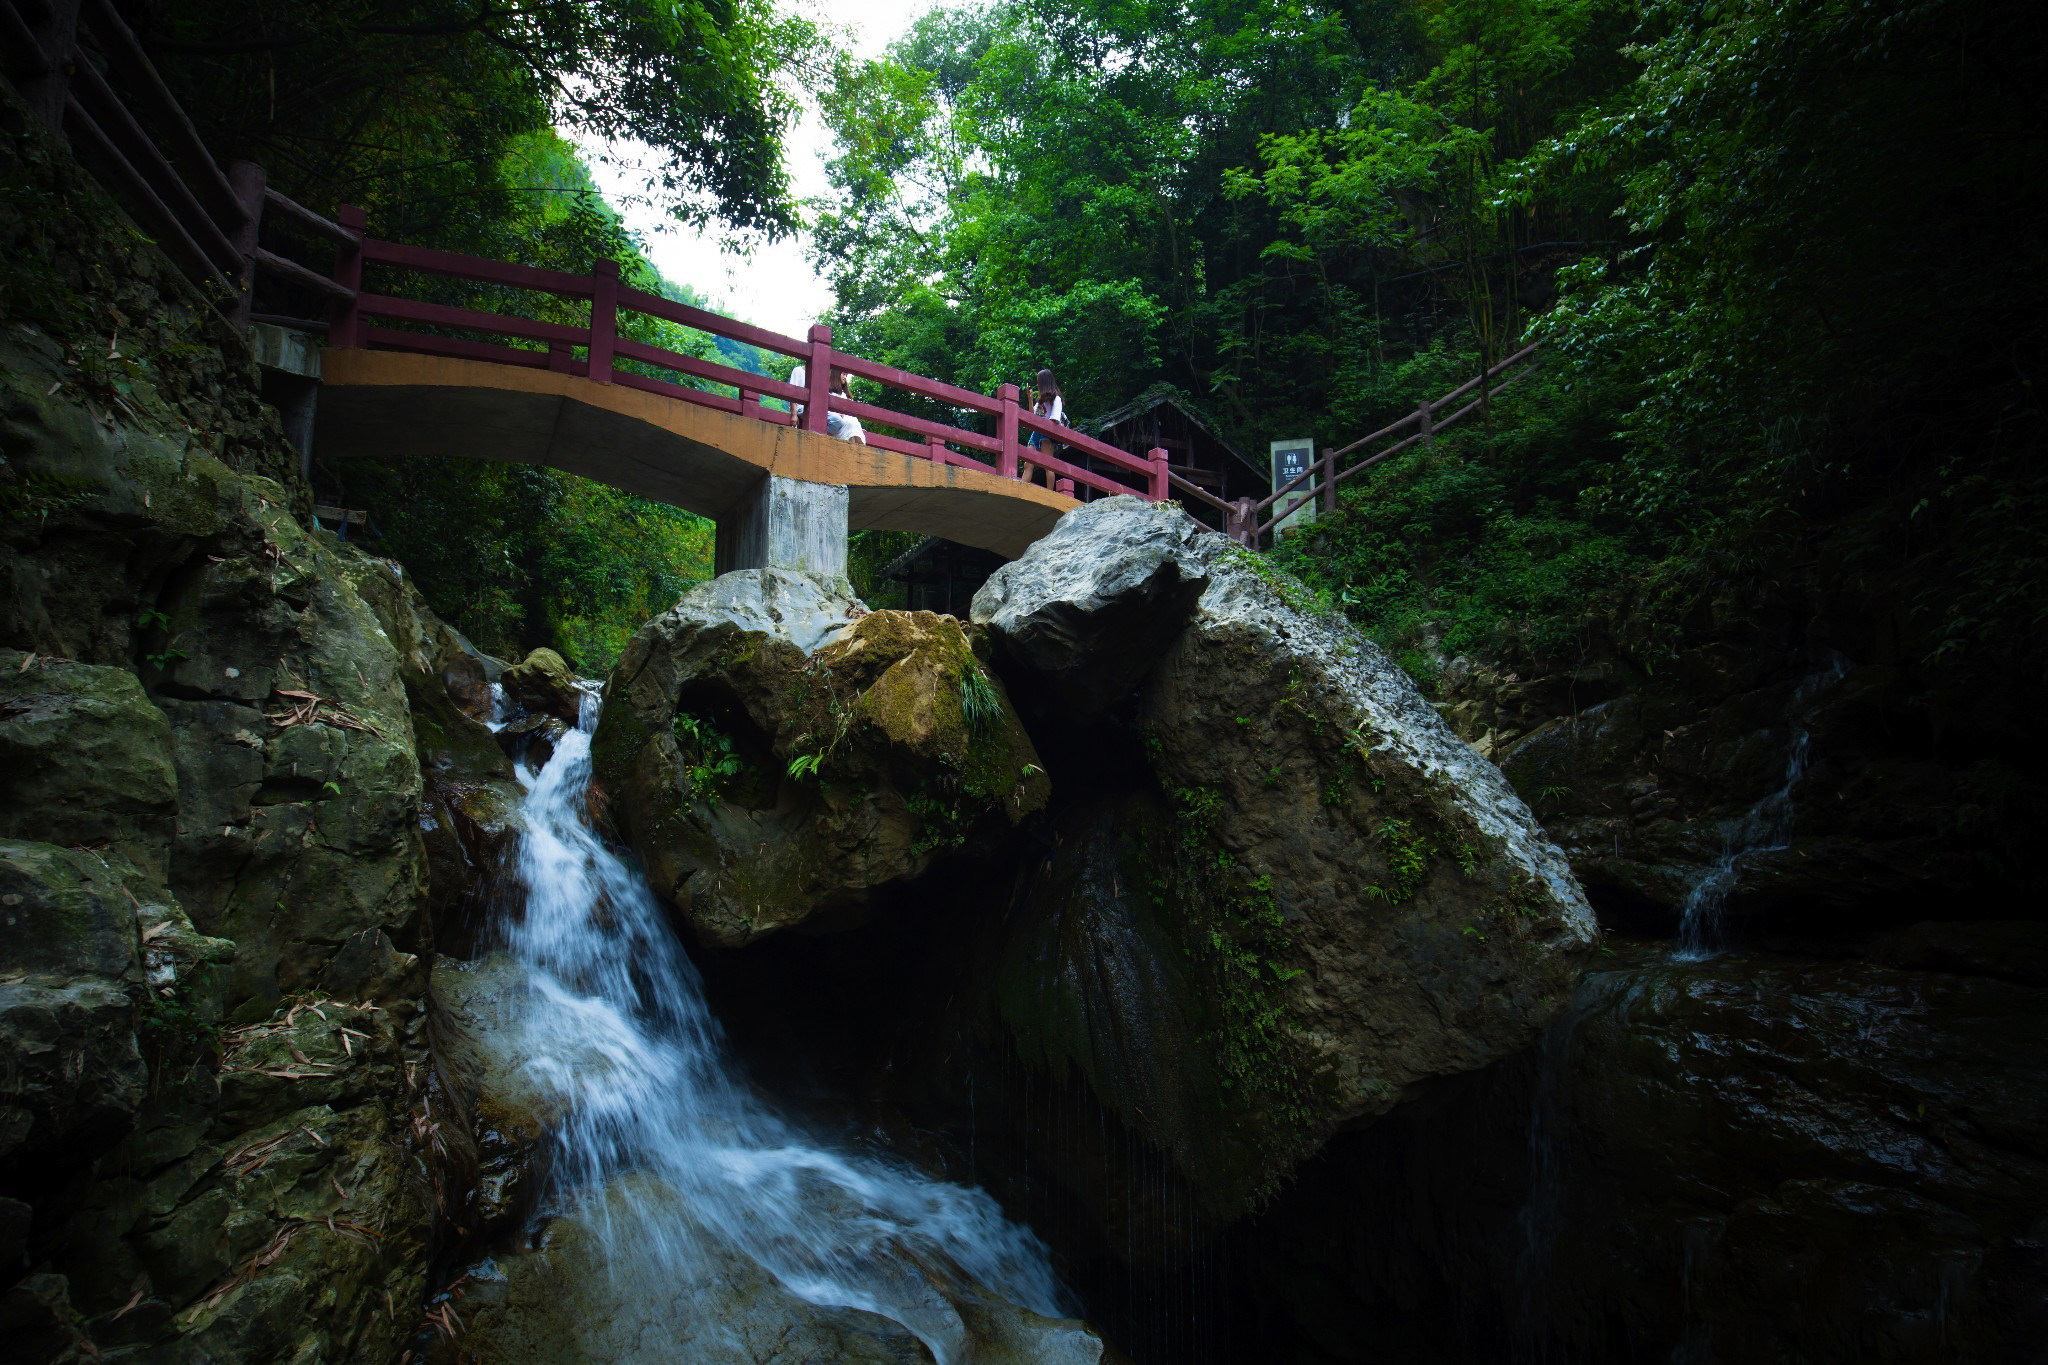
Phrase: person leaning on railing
(1046, 402)
(840, 424)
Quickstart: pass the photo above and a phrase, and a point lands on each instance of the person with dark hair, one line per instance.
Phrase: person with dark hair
(1046, 402)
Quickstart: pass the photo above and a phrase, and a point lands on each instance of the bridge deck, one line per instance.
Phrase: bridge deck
(395, 404)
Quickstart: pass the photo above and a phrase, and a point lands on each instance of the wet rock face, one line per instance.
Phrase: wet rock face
(1359, 902)
(544, 684)
(75, 1074)
(209, 844)
(1752, 1158)
(775, 755)
(1847, 783)
(469, 792)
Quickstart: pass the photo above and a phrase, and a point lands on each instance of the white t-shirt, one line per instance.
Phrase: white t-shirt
(836, 423)
(1057, 411)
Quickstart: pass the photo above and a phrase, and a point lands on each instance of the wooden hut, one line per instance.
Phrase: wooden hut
(938, 575)
(1162, 417)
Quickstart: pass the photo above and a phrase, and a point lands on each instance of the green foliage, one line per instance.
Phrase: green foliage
(1237, 936)
(711, 759)
(35, 496)
(1775, 241)
(981, 708)
(1408, 855)
(398, 104)
(1480, 544)
(867, 554)
(176, 1023)
(942, 821)
(1822, 233)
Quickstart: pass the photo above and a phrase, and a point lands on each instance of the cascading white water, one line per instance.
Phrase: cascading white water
(1765, 827)
(664, 1149)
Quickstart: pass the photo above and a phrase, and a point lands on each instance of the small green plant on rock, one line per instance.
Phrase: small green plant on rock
(1407, 853)
(981, 709)
(940, 824)
(711, 760)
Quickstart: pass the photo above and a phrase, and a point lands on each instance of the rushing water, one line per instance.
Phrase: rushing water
(665, 1151)
(1765, 827)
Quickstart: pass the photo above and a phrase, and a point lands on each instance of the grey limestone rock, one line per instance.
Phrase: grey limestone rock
(1088, 609)
(1362, 901)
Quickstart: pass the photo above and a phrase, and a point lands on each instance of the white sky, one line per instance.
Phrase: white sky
(774, 287)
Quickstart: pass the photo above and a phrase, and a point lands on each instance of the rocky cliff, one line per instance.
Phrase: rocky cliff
(219, 847)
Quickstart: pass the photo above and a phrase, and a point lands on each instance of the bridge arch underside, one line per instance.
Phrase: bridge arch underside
(395, 405)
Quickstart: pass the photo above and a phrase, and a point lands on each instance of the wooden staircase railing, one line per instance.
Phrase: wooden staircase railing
(84, 74)
(1249, 522)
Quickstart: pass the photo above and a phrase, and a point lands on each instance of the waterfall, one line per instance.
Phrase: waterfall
(1765, 827)
(665, 1151)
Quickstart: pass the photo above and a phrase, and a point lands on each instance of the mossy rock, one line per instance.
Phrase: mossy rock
(766, 788)
(545, 683)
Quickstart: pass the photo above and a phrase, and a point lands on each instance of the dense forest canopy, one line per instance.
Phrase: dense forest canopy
(1774, 246)
(1779, 251)
(446, 121)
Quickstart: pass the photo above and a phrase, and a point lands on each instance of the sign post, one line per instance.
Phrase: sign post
(1290, 460)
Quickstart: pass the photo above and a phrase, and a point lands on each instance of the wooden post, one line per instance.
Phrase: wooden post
(247, 180)
(1328, 475)
(559, 359)
(1006, 432)
(604, 319)
(1155, 490)
(1063, 487)
(1240, 523)
(49, 89)
(345, 324)
(1428, 420)
(935, 451)
(750, 404)
(818, 378)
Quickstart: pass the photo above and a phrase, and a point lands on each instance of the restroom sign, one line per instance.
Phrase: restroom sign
(1290, 458)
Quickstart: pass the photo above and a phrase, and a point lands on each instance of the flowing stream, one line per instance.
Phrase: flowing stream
(1765, 827)
(664, 1150)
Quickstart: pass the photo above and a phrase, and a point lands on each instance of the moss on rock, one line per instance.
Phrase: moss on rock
(854, 766)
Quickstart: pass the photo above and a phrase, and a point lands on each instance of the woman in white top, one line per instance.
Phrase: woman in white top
(1047, 403)
(836, 423)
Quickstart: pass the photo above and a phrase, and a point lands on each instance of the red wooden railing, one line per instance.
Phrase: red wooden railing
(83, 72)
(1249, 522)
(1078, 465)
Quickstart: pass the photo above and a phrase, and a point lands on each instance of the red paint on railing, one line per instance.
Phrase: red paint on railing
(1077, 464)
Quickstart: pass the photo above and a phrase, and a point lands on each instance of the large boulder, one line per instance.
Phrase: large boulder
(775, 754)
(85, 757)
(68, 1000)
(1335, 897)
(470, 791)
(1757, 1157)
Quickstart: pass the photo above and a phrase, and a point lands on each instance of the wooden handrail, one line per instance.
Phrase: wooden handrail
(605, 346)
(1424, 418)
(458, 266)
(1199, 493)
(295, 212)
(654, 305)
(124, 52)
(629, 349)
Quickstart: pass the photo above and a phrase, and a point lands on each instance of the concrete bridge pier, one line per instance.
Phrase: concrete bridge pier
(786, 524)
